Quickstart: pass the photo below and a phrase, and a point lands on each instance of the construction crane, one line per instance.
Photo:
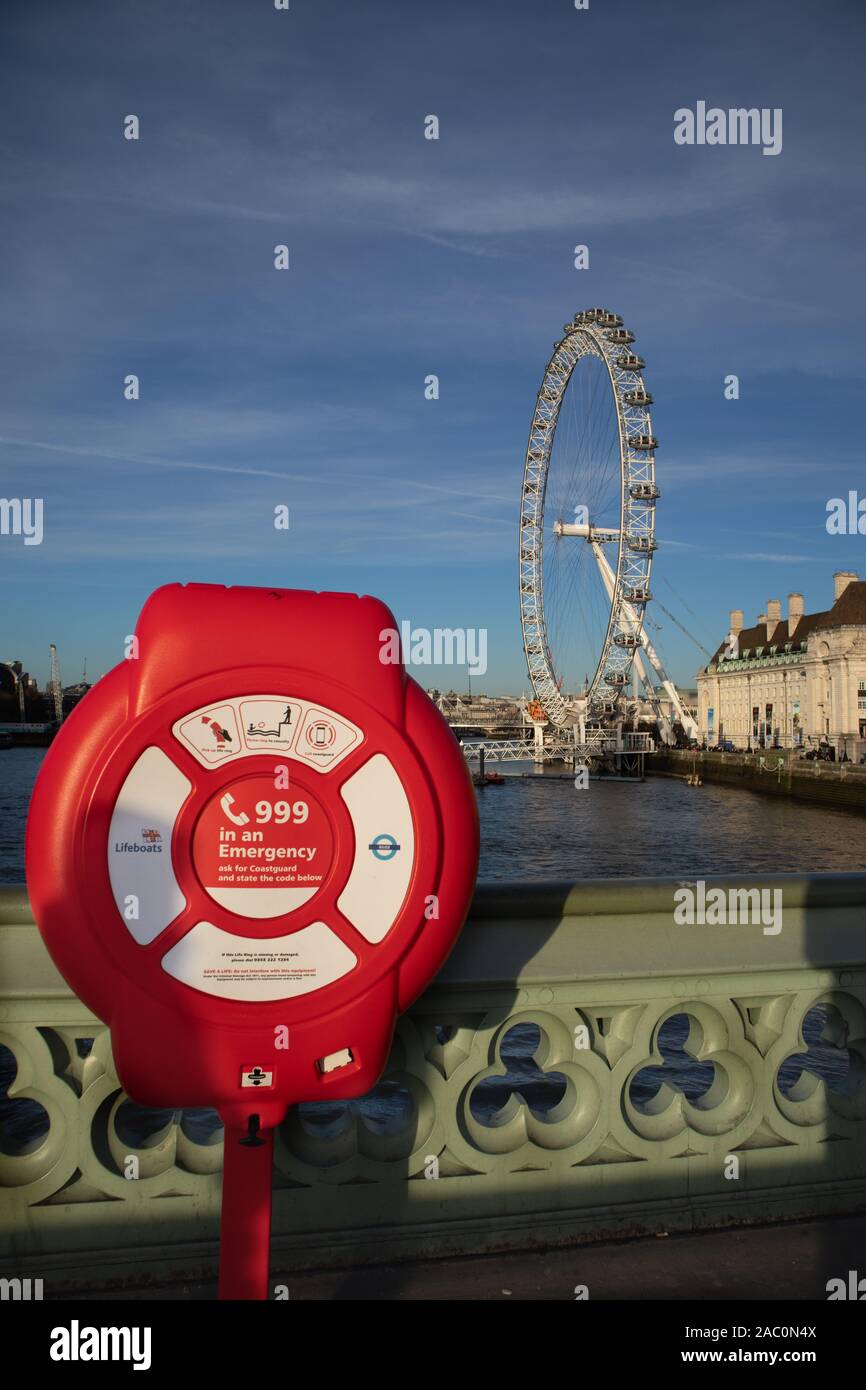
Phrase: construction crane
(54, 685)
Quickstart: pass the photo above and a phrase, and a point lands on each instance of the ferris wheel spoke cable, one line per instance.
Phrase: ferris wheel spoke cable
(678, 596)
(578, 441)
(569, 638)
(568, 586)
(578, 583)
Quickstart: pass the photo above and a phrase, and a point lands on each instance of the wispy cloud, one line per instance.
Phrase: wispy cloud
(410, 257)
(795, 558)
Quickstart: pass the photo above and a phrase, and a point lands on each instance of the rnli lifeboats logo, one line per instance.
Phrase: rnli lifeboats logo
(152, 843)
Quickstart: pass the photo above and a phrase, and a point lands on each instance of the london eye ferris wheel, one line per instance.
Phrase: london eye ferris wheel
(587, 524)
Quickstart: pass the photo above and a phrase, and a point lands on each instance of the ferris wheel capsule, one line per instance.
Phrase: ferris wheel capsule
(642, 544)
(643, 441)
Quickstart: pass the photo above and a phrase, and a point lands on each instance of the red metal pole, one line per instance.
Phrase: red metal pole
(245, 1232)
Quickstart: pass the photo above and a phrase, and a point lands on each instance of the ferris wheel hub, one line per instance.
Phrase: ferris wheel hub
(597, 535)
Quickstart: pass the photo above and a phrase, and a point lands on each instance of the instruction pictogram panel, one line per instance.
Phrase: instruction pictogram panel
(324, 739)
(270, 724)
(211, 734)
(247, 726)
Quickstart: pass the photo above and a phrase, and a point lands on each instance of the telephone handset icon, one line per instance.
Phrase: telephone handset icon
(227, 802)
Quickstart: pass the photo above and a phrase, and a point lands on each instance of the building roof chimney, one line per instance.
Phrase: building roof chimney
(774, 616)
(841, 580)
(737, 620)
(795, 611)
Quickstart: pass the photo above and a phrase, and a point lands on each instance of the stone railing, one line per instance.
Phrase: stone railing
(583, 1067)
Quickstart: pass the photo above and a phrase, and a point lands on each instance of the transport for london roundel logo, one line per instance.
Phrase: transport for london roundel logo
(384, 847)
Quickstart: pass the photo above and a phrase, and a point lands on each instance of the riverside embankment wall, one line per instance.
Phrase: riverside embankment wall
(774, 774)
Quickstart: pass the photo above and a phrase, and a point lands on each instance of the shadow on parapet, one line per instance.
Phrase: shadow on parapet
(584, 1069)
(825, 1103)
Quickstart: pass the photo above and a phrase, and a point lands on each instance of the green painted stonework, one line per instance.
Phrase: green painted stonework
(598, 969)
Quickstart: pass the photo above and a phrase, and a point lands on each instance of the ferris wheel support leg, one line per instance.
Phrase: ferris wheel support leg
(685, 719)
(538, 740)
(246, 1211)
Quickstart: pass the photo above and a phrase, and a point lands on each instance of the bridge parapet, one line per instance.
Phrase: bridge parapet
(583, 1066)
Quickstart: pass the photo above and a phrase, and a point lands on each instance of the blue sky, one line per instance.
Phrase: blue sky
(411, 257)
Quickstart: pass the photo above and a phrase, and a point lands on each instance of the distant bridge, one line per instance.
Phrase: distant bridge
(492, 716)
(601, 743)
(538, 743)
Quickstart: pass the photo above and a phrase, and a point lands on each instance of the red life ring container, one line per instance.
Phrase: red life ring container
(249, 848)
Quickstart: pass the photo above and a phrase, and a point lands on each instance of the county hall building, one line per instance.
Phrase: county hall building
(793, 681)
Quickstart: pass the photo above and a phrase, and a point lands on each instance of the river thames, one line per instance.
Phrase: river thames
(542, 827)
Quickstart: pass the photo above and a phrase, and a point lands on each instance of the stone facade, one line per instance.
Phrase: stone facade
(797, 681)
